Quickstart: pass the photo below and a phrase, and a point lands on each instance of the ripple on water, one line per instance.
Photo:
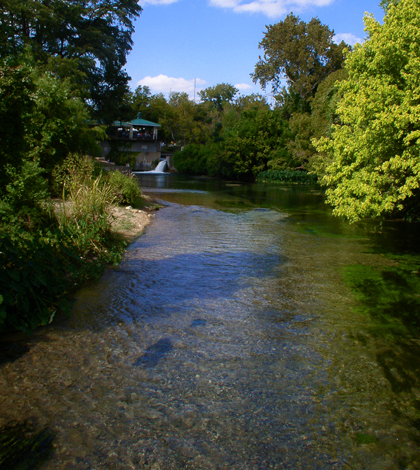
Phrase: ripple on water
(222, 341)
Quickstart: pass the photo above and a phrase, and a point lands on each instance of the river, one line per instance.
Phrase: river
(245, 329)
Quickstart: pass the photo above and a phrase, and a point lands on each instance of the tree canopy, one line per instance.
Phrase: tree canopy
(303, 54)
(219, 95)
(374, 151)
(40, 119)
(87, 40)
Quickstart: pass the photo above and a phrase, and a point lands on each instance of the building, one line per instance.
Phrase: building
(138, 137)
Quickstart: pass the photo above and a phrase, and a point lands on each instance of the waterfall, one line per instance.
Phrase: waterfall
(160, 167)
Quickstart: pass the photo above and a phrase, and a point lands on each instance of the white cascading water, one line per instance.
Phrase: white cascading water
(160, 167)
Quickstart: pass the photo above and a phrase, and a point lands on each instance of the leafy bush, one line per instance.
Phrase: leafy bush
(23, 204)
(192, 160)
(86, 193)
(286, 176)
(38, 273)
(28, 298)
(40, 264)
(125, 188)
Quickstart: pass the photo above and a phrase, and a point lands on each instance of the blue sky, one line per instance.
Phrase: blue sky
(181, 42)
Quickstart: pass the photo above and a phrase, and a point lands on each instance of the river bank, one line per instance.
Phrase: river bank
(129, 223)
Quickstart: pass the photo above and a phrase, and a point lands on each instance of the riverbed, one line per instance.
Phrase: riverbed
(245, 329)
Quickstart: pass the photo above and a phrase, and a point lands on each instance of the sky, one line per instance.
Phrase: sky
(189, 45)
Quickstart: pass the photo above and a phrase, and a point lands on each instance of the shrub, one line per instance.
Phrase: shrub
(125, 188)
(286, 176)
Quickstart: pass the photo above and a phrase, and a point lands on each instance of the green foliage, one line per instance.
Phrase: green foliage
(28, 297)
(40, 119)
(124, 158)
(125, 188)
(254, 100)
(259, 136)
(24, 202)
(39, 270)
(219, 95)
(385, 4)
(242, 146)
(286, 176)
(315, 123)
(193, 159)
(374, 152)
(86, 194)
(42, 257)
(91, 37)
(303, 54)
(27, 188)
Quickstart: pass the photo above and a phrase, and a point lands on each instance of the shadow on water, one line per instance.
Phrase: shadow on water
(198, 322)
(155, 353)
(194, 277)
(24, 446)
(390, 297)
(11, 351)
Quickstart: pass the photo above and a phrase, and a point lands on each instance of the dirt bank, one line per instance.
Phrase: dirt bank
(130, 222)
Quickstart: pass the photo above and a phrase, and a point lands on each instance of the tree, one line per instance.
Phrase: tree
(219, 95)
(374, 152)
(40, 119)
(89, 37)
(254, 100)
(387, 3)
(316, 123)
(303, 54)
(259, 136)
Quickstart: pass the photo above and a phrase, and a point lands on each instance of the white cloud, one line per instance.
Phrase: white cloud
(164, 84)
(270, 8)
(243, 86)
(157, 2)
(348, 38)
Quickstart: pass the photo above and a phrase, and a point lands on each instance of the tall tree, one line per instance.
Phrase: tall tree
(316, 124)
(374, 152)
(257, 137)
(303, 54)
(219, 95)
(91, 36)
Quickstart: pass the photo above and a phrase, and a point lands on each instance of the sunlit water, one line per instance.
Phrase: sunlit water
(228, 339)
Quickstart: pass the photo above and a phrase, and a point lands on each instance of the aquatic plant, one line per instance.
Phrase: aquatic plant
(287, 176)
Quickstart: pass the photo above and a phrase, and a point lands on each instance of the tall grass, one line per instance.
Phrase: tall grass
(90, 200)
(40, 266)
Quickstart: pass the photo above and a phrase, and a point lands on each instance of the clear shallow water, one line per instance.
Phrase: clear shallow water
(234, 335)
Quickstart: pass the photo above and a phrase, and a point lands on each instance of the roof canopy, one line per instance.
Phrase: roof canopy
(136, 122)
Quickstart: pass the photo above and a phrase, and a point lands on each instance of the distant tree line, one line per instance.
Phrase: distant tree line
(348, 116)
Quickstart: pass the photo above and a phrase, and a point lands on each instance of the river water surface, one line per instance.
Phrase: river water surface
(245, 329)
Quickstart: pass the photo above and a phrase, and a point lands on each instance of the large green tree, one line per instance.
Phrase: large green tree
(258, 137)
(86, 39)
(315, 124)
(219, 95)
(375, 151)
(302, 54)
(40, 119)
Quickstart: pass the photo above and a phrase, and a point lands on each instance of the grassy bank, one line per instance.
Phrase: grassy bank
(49, 248)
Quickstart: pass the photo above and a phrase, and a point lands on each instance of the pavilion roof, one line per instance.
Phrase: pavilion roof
(136, 122)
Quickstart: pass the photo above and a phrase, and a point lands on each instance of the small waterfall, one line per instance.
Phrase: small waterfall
(160, 167)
